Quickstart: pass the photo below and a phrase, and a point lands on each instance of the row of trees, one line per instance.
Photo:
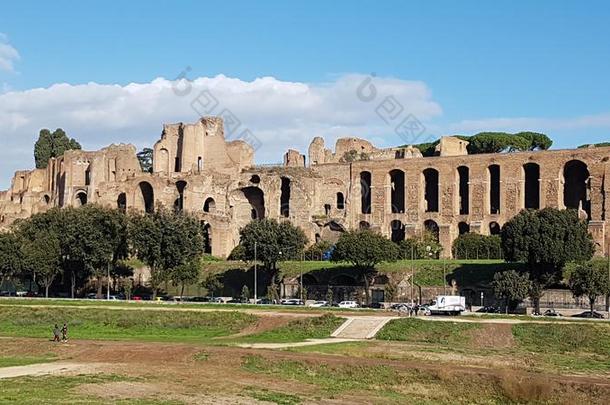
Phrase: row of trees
(495, 142)
(80, 244)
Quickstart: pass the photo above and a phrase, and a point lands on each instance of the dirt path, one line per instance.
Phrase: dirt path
(308, 342)
(49, 368)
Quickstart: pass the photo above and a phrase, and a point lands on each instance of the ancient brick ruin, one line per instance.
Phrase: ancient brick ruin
(394, 190)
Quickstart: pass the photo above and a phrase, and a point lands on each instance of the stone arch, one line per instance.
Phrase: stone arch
(494, 228)
(46, 199)
(343, 279)
(310, 279)
(285, 197)
(431, 226)
(365, 192)
(364, 225)
(121, 202)
(397, 191)
(331, 231)
(397, 231)
(256, 198)
(576, 193)
(255, 179)
(463, 228)
(463, 173)
(494, 188)
(146, 200)
(340, 201)
(80, 198)
(431, 190)
(531, 174)
(209, 205)
(179, 203)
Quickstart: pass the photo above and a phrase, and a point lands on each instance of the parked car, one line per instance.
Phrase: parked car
(490, 310)
(319, 304)
(589, 314)
(551, 312)
(293, 301)
(348, 304)
(264, 301)
(376, 305)
(91, 296)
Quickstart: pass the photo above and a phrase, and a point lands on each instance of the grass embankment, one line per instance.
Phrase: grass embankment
(556, 347)
(148, 325)
(388, 384)
(297, 331)
(11, 361)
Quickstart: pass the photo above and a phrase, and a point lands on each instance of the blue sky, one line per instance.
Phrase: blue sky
(501, 65)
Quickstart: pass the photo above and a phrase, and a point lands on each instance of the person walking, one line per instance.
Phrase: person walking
(64, 333)
(56, 333)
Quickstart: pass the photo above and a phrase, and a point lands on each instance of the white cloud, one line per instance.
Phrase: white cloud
(281, 114)
(8, 54)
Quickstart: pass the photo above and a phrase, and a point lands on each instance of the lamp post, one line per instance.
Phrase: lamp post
(255, 276)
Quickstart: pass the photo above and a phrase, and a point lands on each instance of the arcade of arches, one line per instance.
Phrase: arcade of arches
(395, 191)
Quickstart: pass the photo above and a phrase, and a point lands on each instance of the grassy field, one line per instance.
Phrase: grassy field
(11, 361)
(298, 330)
(112, 324)
(417, 330)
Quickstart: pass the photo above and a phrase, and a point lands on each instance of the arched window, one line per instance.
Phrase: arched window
(364, 225)
(285, 197)
(121, 202)
(532, 185)
(365, 192)
(80, 199)
(463, 179)
(494, 189)
(397, 231)
(432, 227)
(463, 228)
(431, 190)
(397, 191)
(576, 186)
(494, 228)
(147, 197)
(340, 201)
(209, 205)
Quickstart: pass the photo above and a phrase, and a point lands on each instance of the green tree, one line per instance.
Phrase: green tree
(364, 249)
(10, 256)
(145, 156)
(186, 273)
(275, 241)
(212, 283)
(545, 241)
(590, 280)
(477, 246)
(42, 258)
(165, 240)
(52, 144)
(422, 246)
(317, 250)
(512, 286)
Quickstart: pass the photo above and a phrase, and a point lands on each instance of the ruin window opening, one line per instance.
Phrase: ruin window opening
(365, 192)
(494, 189)
(199, 164)
(432, 227)
(494, 228)
(285, 197)
(340, 201)
(256, 198)
(87, 177)
(364, 225)
(327, 209)
(209, 205)
(431, 190)
(121, 202)
(46, 199)
(177, 164)
(207, 239)
(397, 183)
(463, 228)
(532, 185)
(464, 179)
(255, 179)
(147, 197)
(576, 191)
(179, 203)
(81, 198)
(397, 231)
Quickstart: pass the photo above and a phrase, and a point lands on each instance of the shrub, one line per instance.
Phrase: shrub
(476, 246)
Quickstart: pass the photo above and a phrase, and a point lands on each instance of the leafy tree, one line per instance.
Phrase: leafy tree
(145, 156)
(186, 273)
(52, 144)
(165, 240)
(423, 246)
(274, 240)
(212, 283)
(590, 280)
(10, 256)
(238, 253)
(364, 249)
(42, 257)
(474, 245)
(594, 145)
(545, 241)
(512, 286)
(245, 294)
(317, 250)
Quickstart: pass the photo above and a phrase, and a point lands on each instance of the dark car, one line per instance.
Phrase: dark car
(589, 314)
(551, 312)
(376, 305)
(490, 310)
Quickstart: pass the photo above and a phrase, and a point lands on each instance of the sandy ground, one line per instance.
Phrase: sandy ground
(50, 368)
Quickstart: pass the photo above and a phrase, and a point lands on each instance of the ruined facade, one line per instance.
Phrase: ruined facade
(395, 190)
